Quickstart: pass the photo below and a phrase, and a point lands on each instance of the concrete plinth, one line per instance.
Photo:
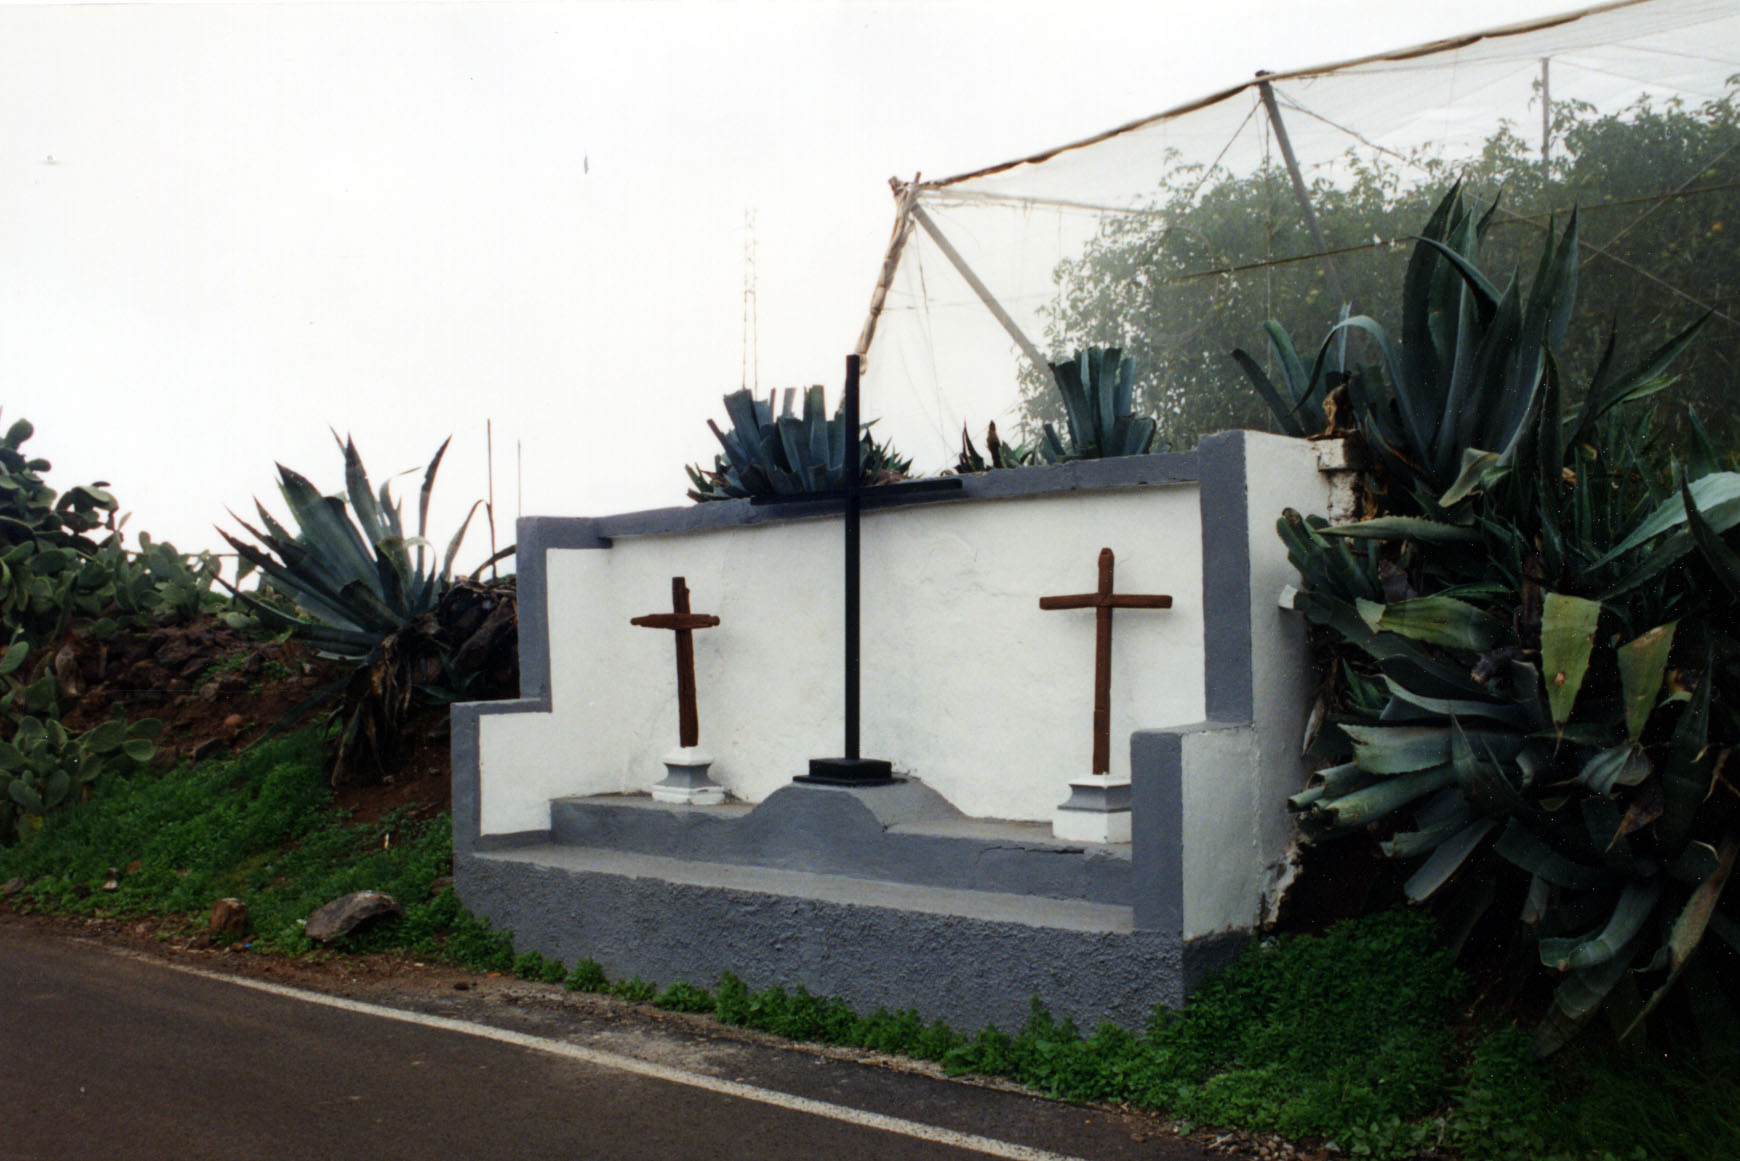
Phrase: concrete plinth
(1096, 811)
(686, 782)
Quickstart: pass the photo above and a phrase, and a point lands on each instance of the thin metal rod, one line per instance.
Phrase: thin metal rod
(489, 509)
(1299, 191)
(853, 457)
(1038, 360)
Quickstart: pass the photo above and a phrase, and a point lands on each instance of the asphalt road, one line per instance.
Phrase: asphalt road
(105, 1055)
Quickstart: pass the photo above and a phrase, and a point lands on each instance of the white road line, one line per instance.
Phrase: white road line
(990, 1146)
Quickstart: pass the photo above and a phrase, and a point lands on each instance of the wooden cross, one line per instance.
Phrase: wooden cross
(1102, 602)
(685, 623)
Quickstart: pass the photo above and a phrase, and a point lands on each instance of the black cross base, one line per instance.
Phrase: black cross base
(849, 772)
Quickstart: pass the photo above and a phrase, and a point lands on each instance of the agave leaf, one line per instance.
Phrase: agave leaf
(1286, 414)
(1635, 905)
(1519, 845)
(326, 526)
(1486, 294)
(1509, 713)
(1694, 919)
(306, 589)
(1535, 902)
(360, 491)
(1445, 860)
(1480, 470)
(425, 492)
(453, 545)
(1642, 662)
(1576, 999)
(1645, 379)
(1410, 844)
(1382, 797)
(1622, 765)
(1436, 620)
(1716, 497)
(1405, 528)
(1567, 639)
(1398, 749)
(1721, 558)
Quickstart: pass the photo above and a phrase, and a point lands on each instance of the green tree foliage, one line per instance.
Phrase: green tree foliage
(1215, 255)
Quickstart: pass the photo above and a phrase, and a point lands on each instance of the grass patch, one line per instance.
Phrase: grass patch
(260, 827)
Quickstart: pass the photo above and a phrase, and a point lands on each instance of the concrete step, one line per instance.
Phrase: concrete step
(969, 956)
(900, 834)
(842, 890)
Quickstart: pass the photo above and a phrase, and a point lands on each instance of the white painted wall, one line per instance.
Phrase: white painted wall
(1238, 834)
(967, 684)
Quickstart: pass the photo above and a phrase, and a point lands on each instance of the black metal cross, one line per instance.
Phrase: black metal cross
(853, 769)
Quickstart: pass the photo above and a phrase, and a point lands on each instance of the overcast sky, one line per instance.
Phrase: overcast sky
(226, 229)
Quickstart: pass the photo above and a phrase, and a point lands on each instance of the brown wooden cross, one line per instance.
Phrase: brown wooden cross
(685, 623)
(1102, 602)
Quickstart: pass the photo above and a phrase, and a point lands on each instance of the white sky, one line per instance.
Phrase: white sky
(225, 229)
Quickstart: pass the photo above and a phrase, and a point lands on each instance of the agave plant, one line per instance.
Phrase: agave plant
(1001, 455)
(1538, 679)
(363, 591)
(1098, 389)
(351, 570)
(766, 456)
(1470, 374)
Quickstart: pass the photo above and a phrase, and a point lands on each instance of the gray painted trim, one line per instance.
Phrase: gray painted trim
(512, 841)
(535, 536)
(1168, 468)
(1226, 578)
(1157, 830)
(466, 762)
(874, 949)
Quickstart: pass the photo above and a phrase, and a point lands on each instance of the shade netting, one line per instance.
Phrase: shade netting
(1175, 237)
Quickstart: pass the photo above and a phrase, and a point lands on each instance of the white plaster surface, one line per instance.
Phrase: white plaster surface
(1280, 473)
(1223, 856)
(966, 682)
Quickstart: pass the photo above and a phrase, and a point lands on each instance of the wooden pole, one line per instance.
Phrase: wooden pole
(1299, 191)
(903, 201)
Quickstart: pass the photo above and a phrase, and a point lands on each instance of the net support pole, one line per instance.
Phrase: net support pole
(1299, 191)
(1546, 121)
(1038, 360)
(903, 199)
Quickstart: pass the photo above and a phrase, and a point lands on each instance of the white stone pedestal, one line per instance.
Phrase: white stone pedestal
(686, 781)
(1096, 811)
